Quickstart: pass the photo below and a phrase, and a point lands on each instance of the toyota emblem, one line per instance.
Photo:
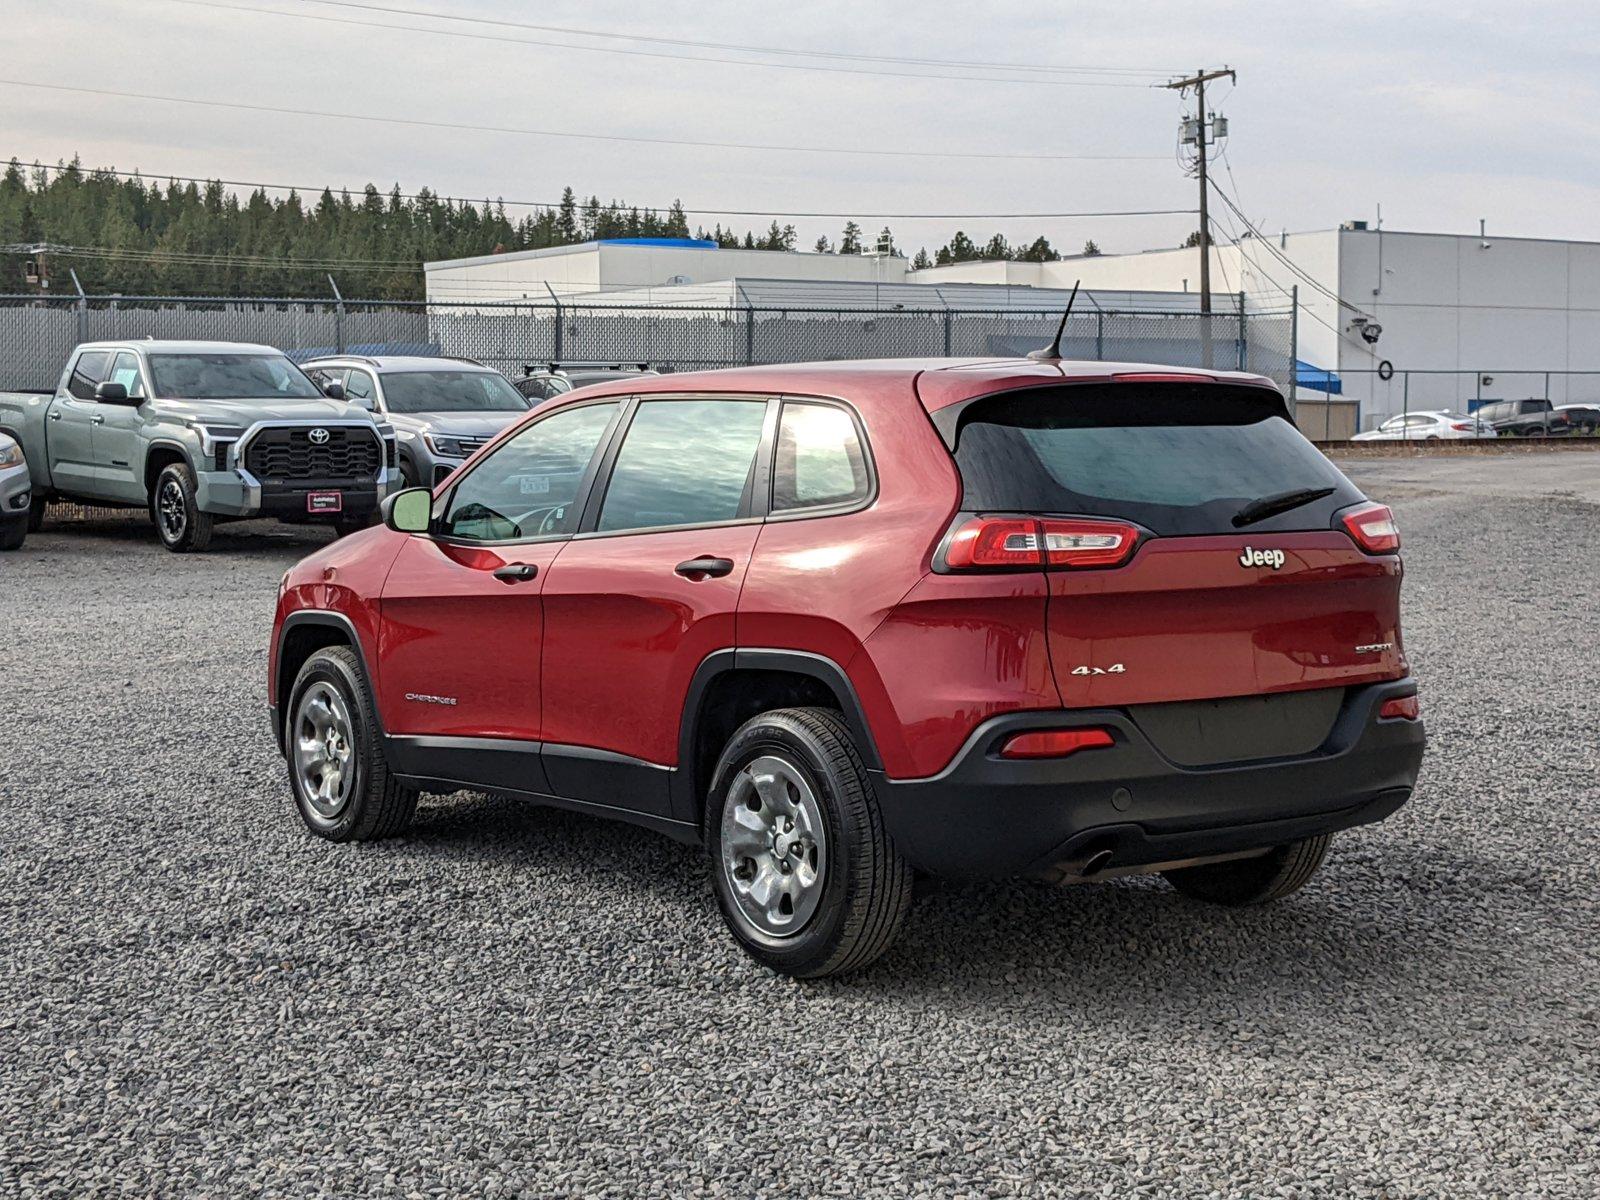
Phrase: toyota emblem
(318, 436)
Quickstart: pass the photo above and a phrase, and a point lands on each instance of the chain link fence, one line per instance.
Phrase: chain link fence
(1368, 397)
(37, 333)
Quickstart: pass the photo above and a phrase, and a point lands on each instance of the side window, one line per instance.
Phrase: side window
(126, 372)
(358, 386)
(1392, 424)
(820, 460)
(526, 488)
(89, 370)
(684, 462)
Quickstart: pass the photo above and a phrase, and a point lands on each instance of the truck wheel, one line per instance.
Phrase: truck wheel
(344, 526)
(1260, 880)
(36, 513)
(337, 770)
(181, 525)
(804, 871)
(13, 533)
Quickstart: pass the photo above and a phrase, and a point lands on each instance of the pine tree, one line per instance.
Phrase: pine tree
(850, 240)
(921, 262)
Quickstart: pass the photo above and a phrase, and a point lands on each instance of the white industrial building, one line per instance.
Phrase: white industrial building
(1463, 319)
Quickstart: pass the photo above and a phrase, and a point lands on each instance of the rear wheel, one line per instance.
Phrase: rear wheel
(805, 874)
(1259, 880)
(179, 523)
(340, 778)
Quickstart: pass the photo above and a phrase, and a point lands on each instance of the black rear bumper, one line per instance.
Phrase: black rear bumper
(1128, 806)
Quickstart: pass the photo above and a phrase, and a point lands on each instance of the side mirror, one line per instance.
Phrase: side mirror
(333, 390)
(113, 393)
(410, 511)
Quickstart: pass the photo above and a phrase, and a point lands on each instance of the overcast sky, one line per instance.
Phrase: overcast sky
(1442, 112)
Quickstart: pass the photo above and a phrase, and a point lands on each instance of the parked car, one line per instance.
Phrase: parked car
(1439, 425)
(558, 378)
(1581, 418)
(1524, 418)
(199, 432)
(849, 623)
(442, 409)
(16, 495)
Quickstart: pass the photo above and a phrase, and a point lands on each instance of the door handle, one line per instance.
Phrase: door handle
(516, 572)
(97, 419)
(55, 416)
(705, 567)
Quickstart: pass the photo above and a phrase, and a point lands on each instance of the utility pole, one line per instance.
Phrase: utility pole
(1202, 140)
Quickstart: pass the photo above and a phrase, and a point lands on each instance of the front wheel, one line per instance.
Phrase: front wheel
(341, 780)
(805, 873)
(36, 513)
(1260, 880)
(179, 523)
(13, 533)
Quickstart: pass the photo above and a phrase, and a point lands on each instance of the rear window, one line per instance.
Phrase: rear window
(1176, 458)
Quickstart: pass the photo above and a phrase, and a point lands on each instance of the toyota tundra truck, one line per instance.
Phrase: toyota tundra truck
(197, 433)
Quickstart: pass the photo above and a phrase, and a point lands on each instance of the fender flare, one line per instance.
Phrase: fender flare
(798, 662)
(328, 619)
(164, 444)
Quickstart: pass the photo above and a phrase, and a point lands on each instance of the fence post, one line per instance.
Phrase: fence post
(556, 342)
(749, 335)
(1547, 404)
(1099, 334)
(1243, 334)
(338, 316)
(83, 309)
(947, 332)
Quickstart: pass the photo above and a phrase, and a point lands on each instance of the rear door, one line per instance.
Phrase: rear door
(1216, 600)
(69, 429)
(650, 587)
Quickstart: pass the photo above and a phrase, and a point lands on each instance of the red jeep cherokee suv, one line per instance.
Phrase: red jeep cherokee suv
(850, 623)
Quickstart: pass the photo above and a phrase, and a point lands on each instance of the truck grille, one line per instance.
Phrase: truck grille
(291, 454)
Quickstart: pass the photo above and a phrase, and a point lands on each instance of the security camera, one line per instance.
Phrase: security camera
(1371, 331)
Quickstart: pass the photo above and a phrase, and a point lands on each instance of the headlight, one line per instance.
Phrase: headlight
(210, 435)
(447, 447)
(10, 454)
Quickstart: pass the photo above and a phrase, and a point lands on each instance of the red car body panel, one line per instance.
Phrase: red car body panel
(624, 634)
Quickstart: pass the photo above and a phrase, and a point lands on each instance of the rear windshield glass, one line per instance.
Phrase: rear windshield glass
(1176, 458)
(229, 377)
(450, 391)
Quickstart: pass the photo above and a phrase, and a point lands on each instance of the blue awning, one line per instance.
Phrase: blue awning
(1316, 379)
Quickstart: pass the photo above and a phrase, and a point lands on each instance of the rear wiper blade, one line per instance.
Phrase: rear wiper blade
(1282, 502)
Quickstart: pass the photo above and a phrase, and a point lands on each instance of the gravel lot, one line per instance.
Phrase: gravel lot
(196, 997)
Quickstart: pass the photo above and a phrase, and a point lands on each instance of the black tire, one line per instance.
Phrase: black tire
(344, 526)
(408, 473)
(865, 886)
(179, 523)
(36, 513)
(13, 532)
(375, 806)
(1248, 881)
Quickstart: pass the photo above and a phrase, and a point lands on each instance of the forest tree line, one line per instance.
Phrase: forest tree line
(123, 234)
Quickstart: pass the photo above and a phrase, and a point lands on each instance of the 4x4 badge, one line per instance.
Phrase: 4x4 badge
(1113, 669)
(1261, 558)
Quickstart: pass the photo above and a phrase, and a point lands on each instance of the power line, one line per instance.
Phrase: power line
(502, 39)
(239, 106)
(310, 189)
(206, 258)
(699, 44)
(1288, 263)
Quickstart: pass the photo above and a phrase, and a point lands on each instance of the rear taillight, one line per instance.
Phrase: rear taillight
(1403, 708)
(1373, 528)
(1461, 426)
(999, 543)
(1054, 743)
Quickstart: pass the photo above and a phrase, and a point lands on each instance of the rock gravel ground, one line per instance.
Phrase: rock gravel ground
(197, 998)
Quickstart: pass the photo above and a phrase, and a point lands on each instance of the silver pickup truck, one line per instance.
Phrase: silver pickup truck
(199, 432)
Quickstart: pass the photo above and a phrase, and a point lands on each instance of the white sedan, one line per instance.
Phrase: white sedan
(1427, 427)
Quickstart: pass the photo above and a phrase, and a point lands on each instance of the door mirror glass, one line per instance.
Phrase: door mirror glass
(410, 511)
(333, 390)
(111, 392)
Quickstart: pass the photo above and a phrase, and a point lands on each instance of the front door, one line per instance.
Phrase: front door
(69, 429)
(645, 592)
(118, 450)
(462, 635)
